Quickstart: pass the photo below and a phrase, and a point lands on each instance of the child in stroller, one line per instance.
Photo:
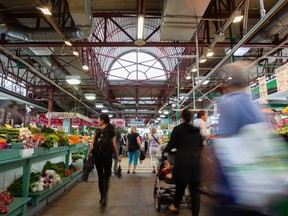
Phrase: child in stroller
(166, 172)
(164, 188)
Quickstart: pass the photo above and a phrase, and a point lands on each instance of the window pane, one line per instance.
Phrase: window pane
(128, 66)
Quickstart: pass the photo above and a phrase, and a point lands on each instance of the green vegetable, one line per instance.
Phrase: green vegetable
(16, 186)
(47, 130)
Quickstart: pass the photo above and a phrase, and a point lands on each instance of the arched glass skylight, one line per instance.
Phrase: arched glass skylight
(137, 66)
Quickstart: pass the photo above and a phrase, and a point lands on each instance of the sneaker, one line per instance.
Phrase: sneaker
(133, 172)
(172, 208)
(128, 172)
(154, 171)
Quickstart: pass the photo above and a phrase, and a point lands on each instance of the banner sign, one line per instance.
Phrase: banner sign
(282, 78)
(263, 90)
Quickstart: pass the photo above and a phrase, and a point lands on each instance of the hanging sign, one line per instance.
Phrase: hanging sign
(282, 78)
(263, 90)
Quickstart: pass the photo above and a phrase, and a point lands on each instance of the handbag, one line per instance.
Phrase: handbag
(254, 162)
(87, 168)
(119, 171)
(142, 156)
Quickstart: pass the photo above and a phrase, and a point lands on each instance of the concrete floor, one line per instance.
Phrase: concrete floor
(131, 195)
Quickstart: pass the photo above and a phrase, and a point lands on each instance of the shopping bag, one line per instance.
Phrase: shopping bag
(142, 156)
(88, 167)
(254, 162)
(119, 171)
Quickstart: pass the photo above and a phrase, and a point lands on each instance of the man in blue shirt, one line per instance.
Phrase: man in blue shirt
(236, 110)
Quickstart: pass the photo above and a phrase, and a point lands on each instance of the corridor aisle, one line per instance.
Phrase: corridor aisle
(131, 195)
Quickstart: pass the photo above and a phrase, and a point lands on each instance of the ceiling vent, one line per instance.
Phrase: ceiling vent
(177, 19)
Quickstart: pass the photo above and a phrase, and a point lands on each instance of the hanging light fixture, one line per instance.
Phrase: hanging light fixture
(68, 43)
(45, 10)
(188, 77)
(85, 67)
(99, 105)
(73, 80)
(75, 53)
(90, 96)
(194, 69)
(202, 59)
(209, 52)
(238, 17)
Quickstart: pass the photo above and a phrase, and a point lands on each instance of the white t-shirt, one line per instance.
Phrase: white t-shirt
(201, 124)
(152, 141)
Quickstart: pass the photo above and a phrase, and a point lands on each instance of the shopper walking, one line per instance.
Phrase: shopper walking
(134, 145)
(200, 122)
(236, 110)
(145, 138)
(154, 142)
(13, 117)
(119, 141)
(104, 143)
(188, 141)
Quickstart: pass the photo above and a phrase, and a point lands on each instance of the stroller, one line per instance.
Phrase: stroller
(164, 188)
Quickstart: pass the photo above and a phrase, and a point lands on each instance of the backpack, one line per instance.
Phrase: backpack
(103, 143)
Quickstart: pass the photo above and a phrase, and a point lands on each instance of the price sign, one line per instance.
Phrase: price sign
(263, 90)
(282, 78)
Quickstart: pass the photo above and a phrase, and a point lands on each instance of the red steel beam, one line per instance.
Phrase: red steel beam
(131, 44)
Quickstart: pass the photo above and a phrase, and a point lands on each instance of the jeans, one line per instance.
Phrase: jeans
(103, 165)
(133, 157)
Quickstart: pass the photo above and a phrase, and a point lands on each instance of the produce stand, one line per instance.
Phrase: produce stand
(37, 197)
(17, 207)
(10, 159)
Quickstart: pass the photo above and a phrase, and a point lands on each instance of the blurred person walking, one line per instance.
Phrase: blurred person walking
(119, 141)
(154, 142)
(134, 145)
(188, 142)
(13, 117)
(104, 143)
(236, 110)
(146, 141)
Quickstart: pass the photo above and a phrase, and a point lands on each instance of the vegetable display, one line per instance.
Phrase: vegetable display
(47, 180)
(5, 199)
(59, 168)
(26, 137)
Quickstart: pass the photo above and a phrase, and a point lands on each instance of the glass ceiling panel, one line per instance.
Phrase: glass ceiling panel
(137, 66)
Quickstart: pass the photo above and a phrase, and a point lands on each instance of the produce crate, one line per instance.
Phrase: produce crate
(8, 154)
(17, 206)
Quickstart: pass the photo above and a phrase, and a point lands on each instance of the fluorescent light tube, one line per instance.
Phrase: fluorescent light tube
(140, 27)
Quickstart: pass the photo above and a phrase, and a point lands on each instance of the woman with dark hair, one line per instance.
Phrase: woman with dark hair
(104, 143)
(188, 141)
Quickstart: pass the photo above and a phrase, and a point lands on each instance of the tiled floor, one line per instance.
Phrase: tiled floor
(131, 195)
